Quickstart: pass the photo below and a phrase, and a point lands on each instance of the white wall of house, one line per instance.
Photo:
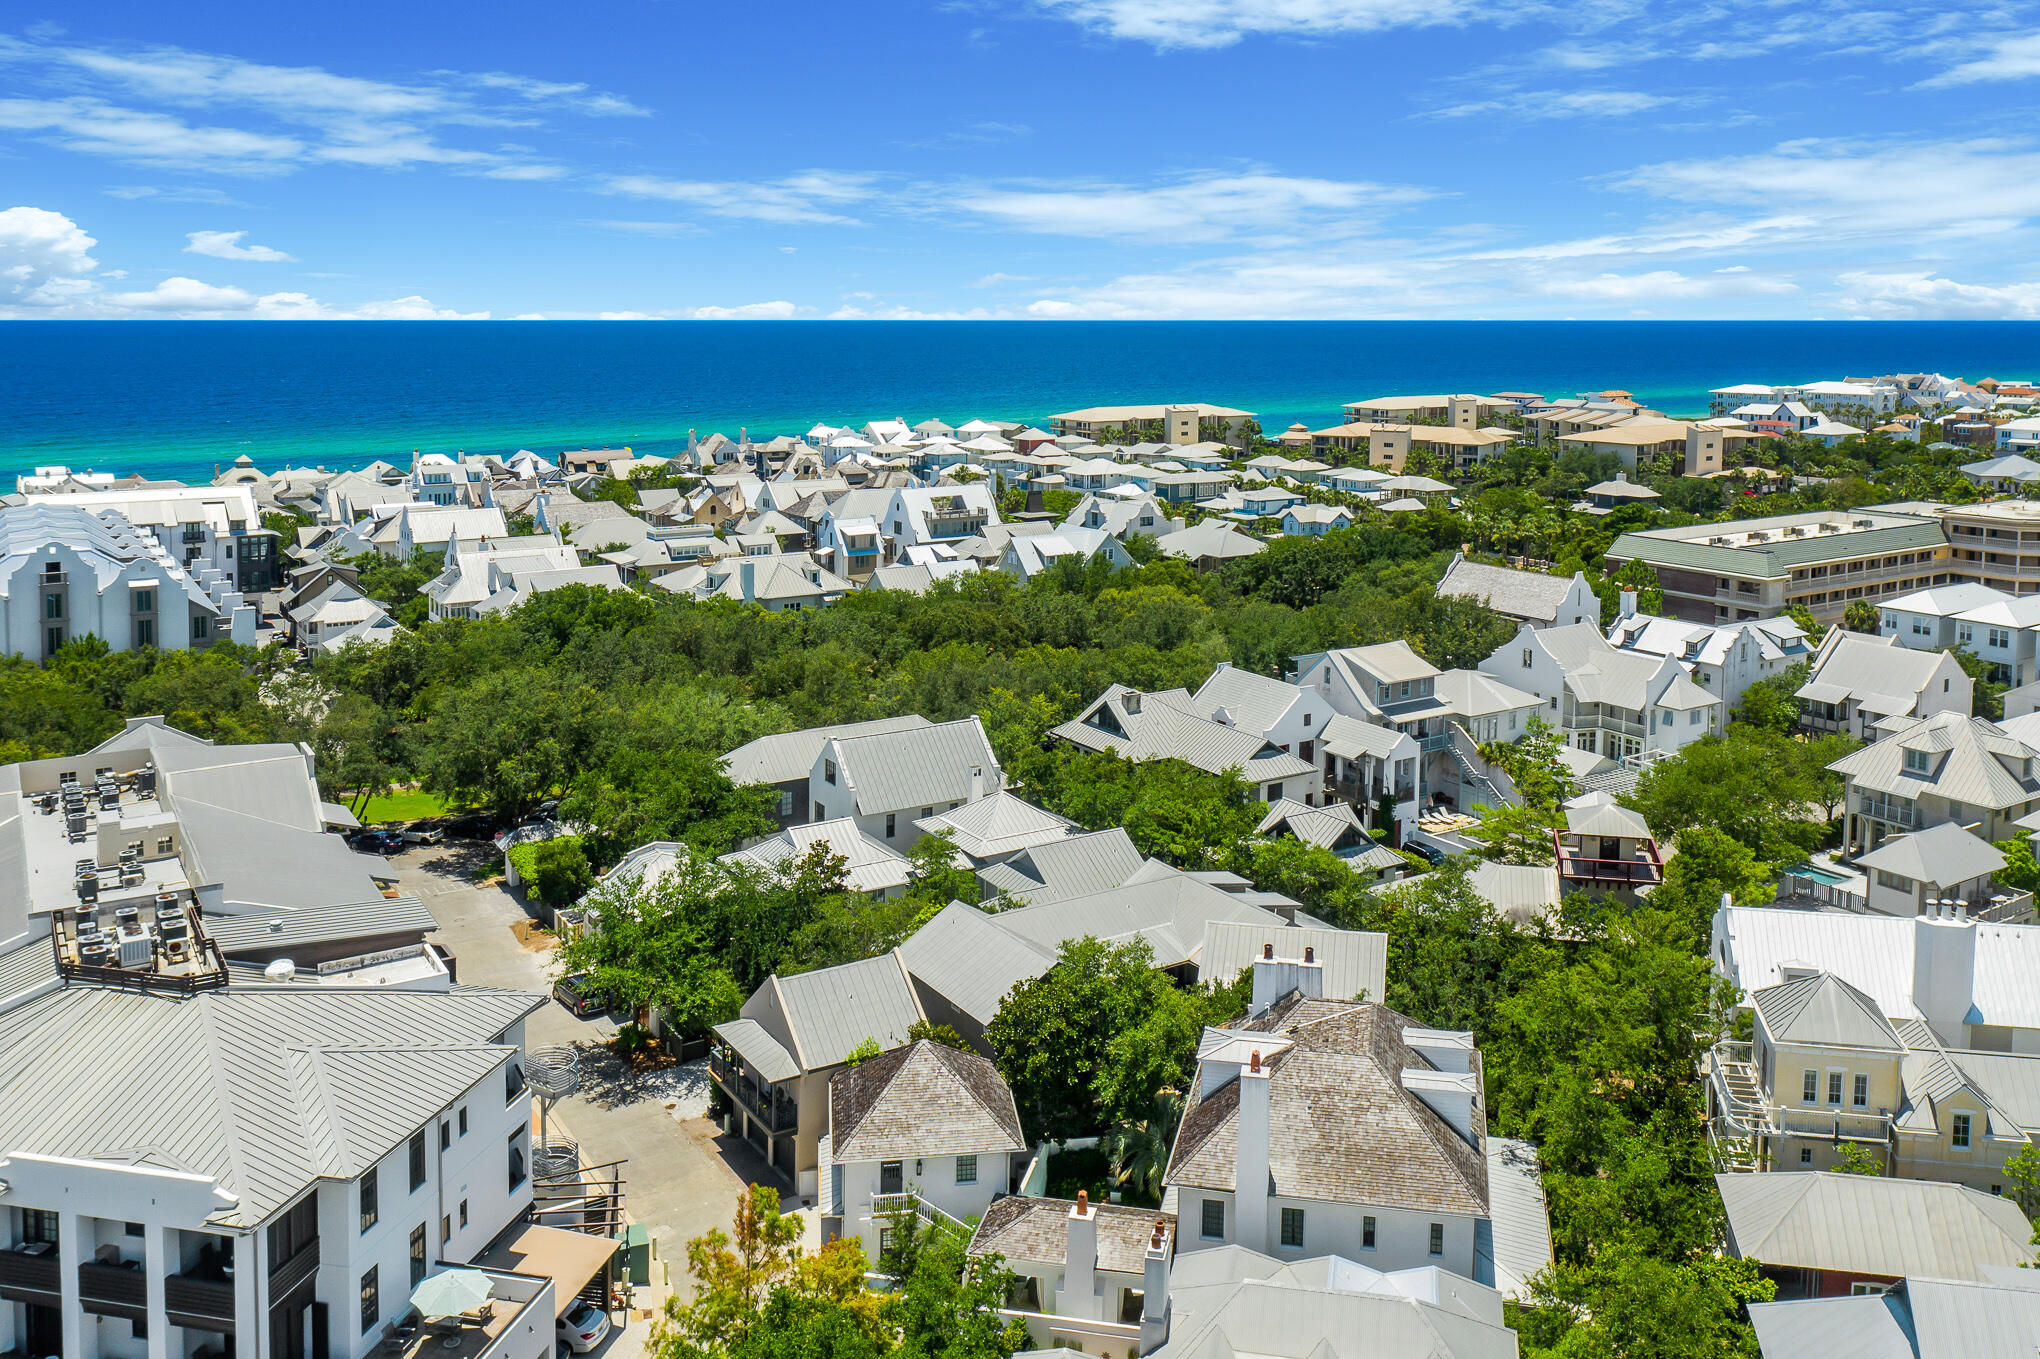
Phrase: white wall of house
(933, 1178)
(1402, 1239)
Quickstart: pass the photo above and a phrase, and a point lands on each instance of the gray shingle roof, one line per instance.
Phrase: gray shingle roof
(1868, 1224)
(1519, 594)
(926, 1099)
(265, 1088)
(1341, 1126)
(791, 755)
(1036, 1231)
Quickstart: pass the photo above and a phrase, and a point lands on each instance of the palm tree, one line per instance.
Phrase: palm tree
(1139, 1149)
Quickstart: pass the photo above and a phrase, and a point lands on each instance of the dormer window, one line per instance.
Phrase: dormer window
(1916, 762)
(828, 771)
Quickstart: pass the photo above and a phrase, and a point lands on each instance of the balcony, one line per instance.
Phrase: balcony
(29, 1274)
(120, 1289)
(1742, 1109)
(202, 1301)
(1636, 864)
(1899, 812)
(775, 1112)
(288, 1273)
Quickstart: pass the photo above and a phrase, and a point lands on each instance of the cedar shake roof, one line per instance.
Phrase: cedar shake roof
(1036, 1231)
(925, 1099)
(1341, 1126)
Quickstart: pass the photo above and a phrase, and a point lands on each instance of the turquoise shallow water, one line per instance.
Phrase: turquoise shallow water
(179, 398)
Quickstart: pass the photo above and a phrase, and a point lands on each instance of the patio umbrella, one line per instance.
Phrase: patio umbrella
(451, 1293)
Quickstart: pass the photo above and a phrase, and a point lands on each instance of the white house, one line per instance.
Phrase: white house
(924, 1129)
(1122, 516)
(214, 532)
(1290, 717)
(1532, 597)
(1725, 658)
(1029, 556)
(1324, 1127)
(938, 514)
(1925, 619)
(277, 1164)
(1854, 683)
(1614, 703)
(66, 572)
(887, 781)
(1172, 725)
(1312, 521)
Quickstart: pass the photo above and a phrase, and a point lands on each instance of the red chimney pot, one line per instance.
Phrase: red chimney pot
(1256, 1064)
(1268, 951)
(1309, 953)
(1083, 1200)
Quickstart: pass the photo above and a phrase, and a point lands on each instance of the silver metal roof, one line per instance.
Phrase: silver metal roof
(264, 1089)
(1354, 961)
(918, 767)
(970, 960)
(830, 1011)
(1868, 1224)
(789, 756)
(377, 916)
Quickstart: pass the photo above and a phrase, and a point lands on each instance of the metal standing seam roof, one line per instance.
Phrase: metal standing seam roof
(1824, 1011)
(1349, 738)
(763, 1053)
(1942, 855)
(1874, 1326)
(1355, 962)
(376, 916)
(1072, 866)
(1343, 1127)
(790, 756)
(917, 767)
(926, 1099)
(1526, 893)
(868, 866)
(1321, 826)
(1966, 762)
(966, 957)
(1516, 1239)
(1169, 727)
(832, 1010)
(1170, 910)
(1870, 1224)
(999, 824)
(266, 1089)
(1254, 702)
(1210, 538)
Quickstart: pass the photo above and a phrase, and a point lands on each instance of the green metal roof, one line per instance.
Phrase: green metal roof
(1775, 559)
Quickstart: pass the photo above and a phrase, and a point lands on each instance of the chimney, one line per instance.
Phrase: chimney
(692, 442)
(1154, 1289)
(1130, 700)
(1275, 978)
(1250, 1166)
(1034, 502)
(1944, 970)
(747, 579)
(1078, 1296)
(1627, 607)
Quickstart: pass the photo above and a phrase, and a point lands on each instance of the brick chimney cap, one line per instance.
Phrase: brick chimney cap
(1255, 1062)
(1267, 951)
(1083, 1200)
(1309, 954)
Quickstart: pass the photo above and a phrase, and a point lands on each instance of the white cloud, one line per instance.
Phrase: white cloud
(809, 198)
(95, 128)
(44, 257)
(412, 308)
(1662, 285)
(1904, 296)
(1701, 236)
(751, 311)
(625, 316)
(183, 295)
(226, 245)
(1220, 23)
(575, 96)
(173, 194)
(1548, 104)
(1208, 207)
(2010, 58)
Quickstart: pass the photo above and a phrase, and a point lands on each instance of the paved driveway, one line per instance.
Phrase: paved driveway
(684, 1175)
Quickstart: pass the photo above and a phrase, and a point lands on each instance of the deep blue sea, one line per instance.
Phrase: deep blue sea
(178, 398)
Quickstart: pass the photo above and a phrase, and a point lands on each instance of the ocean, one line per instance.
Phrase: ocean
(181, 398)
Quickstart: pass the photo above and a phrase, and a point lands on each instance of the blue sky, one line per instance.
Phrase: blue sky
(1020, 158)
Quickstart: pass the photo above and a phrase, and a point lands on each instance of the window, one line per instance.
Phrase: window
(145, 601)
(1367, 1233)
(1527, 656)
(1693, 718)
(417, 1255)
(2000, 637)
(821, 813)
(1292, 1228)
(145, 632)
(1860, 1290)
(38, 1224)
(1809, 1086)
(53, 606)
(141, 1328)
(369, 1215)
(1958, 1132)
(828, 771)
(1306, 719)
(516, 1160)
(891, 824)
(1916, 761)
(446, 1229)
(445, 1136)
(463, 1120)
(786, 804)
(1213, 1228)
(966, 1170)
(417, 1159)
(513, 1082)
(1835, 1086)
(1861, 1094)
(198, 625)
(1806, 1156)
(1274, 792)
(1437, 1238)
(166, 845)
(131, 1228)
(463, 1214)
(371, 1300)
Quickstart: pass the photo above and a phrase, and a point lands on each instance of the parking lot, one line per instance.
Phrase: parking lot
(683, 1176)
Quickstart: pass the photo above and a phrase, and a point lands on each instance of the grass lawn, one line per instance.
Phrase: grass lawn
(407, 806)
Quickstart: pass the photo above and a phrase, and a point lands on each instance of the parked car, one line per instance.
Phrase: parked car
(424, 833)
(1425, 852)
(471, 826)
(583, 1327)
(378, 841)
(579, 995)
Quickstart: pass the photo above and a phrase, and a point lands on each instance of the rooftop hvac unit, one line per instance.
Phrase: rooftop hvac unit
(1865, 523)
